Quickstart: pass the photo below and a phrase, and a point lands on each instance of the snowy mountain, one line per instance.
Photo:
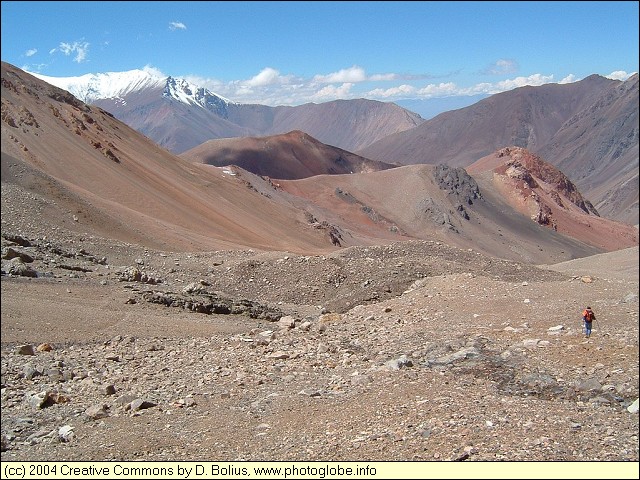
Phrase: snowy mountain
(179, 115)
(92, 87)
(191, 94)
(98, 86)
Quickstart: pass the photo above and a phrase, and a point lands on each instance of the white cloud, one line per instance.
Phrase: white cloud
(268, 87)
(620, 75)
(617, 75)
(502, 67)
(534, 80)
(432, 90)
(271, 87)
(34, 68)
(268, 76)
(354, 74)
(177, 26)
(331, 92)
(401, 90)
(357, 74)
(81, 49)
(153, 71)
(450, 89)
(210, 83)
(384, 77)
(244, 91)
(440, 90)
(568, 79)
(31, 52)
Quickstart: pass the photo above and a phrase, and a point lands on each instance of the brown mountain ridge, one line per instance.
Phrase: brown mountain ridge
(178, 127)
(288, 156)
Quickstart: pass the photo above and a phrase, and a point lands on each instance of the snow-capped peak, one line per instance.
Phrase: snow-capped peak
(116, 85)
(99, 86)
(191, 94)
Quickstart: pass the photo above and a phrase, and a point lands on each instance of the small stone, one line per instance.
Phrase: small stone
(26, 350)
(65, 433)
(97, 411)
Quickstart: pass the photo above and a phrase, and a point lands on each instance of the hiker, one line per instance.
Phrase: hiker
(588, 317)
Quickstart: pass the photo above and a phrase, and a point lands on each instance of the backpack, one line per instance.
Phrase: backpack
(588, 315)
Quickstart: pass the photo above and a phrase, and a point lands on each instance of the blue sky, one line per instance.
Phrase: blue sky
(288, 53)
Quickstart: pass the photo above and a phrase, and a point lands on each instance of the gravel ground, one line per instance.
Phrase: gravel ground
(411, 351)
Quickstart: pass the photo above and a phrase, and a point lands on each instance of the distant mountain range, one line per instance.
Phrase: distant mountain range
(179, 116)
(589, 128)
(72, 167)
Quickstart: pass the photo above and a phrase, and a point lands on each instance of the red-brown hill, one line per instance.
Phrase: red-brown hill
(543, 193)
(589, 129)
(289, 156)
